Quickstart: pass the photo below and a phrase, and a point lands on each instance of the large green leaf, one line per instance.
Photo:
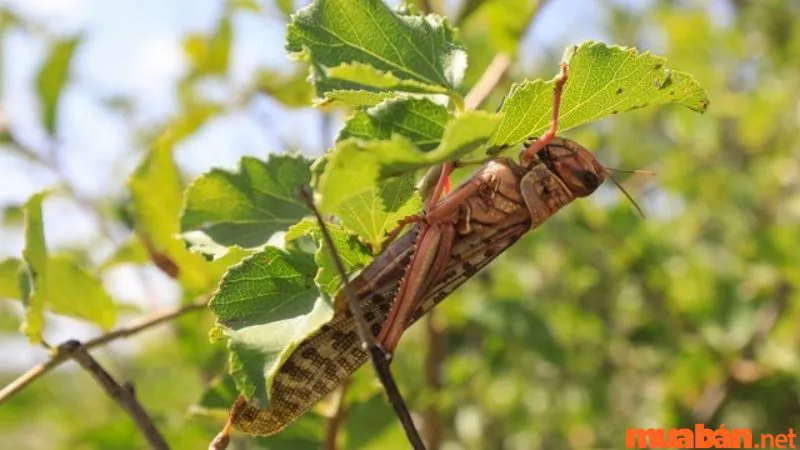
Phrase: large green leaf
(265, 305)
(420, 120)
(356, 166)
(247, 207)
(415, 49)
(52, 77)
(55, 283)
(156, 191)
(352, 253)
(602, 81)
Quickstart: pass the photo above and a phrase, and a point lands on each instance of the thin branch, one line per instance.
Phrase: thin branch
(433, 378)
(59, 356)
(380, 359)
(334, 422)
(489, 79)
(124, 397)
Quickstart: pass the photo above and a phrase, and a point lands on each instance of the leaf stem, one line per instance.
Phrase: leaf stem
(380, 359)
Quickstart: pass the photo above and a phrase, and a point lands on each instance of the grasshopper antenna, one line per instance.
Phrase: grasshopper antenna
(380, 359)
(623, 190)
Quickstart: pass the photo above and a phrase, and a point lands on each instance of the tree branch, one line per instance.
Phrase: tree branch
(59, 356)
(124, 397)
(489, 79)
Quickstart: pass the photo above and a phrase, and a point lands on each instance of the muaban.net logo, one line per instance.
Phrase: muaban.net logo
(702, 437)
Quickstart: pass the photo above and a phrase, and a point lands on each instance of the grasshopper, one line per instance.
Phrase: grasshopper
(459, 234)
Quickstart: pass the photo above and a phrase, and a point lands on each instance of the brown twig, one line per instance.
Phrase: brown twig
(334, 422)
(380, 359)
(433, 379)
(124, 397)
(488, 81)
(60, 357)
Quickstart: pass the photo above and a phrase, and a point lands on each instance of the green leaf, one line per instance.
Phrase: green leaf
(292, 90)
(209, 55)
(156, 191)
(355, 98)
(247, 207)
(411, 48)
(363, 76)
(10, 273)
(353, 255)
(602, 81)
(52, 77)
(72, 291)
(377, 210)
(56, 283)
(355, 166)
(286, 6)
(131, 251)
(502, 23)
(35, 256)
(420, 120)
(266, 305)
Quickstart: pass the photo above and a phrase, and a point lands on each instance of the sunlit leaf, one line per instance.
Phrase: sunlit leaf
(209, 55)
(412, 48)
(10, 272)
(353, 255)
(356, 166)
(52, 77)
(420, 120)
(265, 305)
(56, 283)
(603, 81)
(247, 207)
(157, 190)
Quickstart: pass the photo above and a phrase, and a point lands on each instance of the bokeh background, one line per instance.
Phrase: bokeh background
(597, 322)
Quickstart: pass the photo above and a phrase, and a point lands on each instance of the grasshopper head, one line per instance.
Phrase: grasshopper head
(574, 165)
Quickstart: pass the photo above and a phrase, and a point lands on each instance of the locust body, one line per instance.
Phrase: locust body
(495, 207)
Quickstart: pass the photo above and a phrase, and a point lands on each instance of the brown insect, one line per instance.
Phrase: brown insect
(457, 236)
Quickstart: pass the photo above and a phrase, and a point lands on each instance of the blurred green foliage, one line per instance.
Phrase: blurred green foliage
(597, 322)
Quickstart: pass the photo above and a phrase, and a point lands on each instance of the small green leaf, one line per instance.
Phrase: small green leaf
(420, 120)
(363, 76)
(292, 90)
(602, 81)
(35, 256)
(156, 191)
(209, 55)
(411, 48)
(131, 251)
(10, 273)
(353, 255)
(377, 210)
(266, 305)
(52, 77)
(355, 98)
(286, 6)
(247, 207)
(355, 166)
(56, 283)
